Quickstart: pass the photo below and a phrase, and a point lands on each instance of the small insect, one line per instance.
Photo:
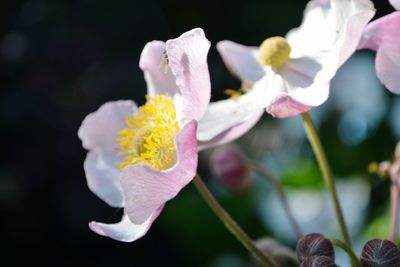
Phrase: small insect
(164, 61)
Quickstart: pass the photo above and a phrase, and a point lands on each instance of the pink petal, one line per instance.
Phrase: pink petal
(395, 4)
(103, 177)
(388, 68)
(99, 129)
(241, 60)
(146, 189)
(383, 36)
(285, 106)
(233, 132)
(187, 56)
(158, 76)
(125, 230)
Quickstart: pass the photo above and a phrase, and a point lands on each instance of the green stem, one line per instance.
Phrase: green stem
(233, 227)
(353, 258)
(394, 211)
(326, 171)
(281, 193)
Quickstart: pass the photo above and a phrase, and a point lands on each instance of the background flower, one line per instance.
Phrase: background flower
(383, 36)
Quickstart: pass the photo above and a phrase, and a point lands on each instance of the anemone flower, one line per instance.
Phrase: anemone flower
(139, 158)
(383, 36)
(286, 76)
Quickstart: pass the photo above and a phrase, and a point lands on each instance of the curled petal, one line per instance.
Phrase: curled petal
(125, 230)
(146, 189)
(383, 36)
(158, 76)
(241, 60)
(99, 130)
(395, 4)
(187, 58)
(103, 177)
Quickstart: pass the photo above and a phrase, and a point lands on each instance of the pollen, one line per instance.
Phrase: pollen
(274, 52)
(149, 134)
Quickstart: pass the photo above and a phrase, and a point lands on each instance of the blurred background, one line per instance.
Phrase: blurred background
(60, 60)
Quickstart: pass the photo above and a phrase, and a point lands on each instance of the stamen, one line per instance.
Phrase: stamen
(150, 134)
(274, 52)
(233, 94)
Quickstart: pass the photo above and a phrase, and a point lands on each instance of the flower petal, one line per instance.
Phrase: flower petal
(222, 115)
(157, 74)
(103, 177)
(395, 4)
(125, 230)
(334, 26)
(187, 56)
(383, 36)
(232, 133)
(388, 68)
(99, 129)
(146, 189)
(241, 60)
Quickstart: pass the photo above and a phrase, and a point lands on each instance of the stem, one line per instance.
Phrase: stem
(281, 194)
(233, 227)
(326, 171)
(353, 258)
(394, 211)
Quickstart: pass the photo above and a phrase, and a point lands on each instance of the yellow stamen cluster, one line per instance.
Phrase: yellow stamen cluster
(233, 94)
(150, 134)
(274, 52)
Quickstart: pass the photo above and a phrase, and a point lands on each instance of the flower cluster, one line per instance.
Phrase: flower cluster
(141, 157)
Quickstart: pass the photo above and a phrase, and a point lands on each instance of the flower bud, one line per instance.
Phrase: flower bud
(318, 261)
(380, 253)
(230, 166)
(397, 151)
(274, 52)
(314, 245)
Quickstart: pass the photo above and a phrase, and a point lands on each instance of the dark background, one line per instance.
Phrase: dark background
(61, 60)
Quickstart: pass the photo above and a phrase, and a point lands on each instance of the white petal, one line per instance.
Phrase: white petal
(125, 230)
(241, 60)
(333, 26)
(304, 81)
(232, 133)
(103, 177)
(222, 115)
(395, 4)
(99, 129)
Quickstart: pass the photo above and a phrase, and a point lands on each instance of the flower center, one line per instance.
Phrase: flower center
(150, 134)
(274, 52)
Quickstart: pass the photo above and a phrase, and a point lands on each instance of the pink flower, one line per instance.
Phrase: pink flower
(139, 158)
(383, 36)
(286, 76)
